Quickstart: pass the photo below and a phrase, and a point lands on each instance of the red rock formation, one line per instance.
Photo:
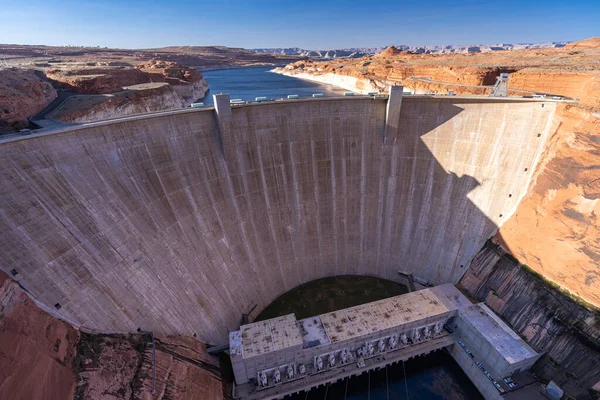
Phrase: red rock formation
(36, 349)
(96, 80)
(583, 85)
(22, 94)
(121, 367)
(183, 371)
(591, 43)
(137, 99)
(555, 229)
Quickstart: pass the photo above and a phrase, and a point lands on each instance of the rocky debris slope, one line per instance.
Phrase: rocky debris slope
(36, 349)
(121, 367)
(552, 322)
(555, 229)
(22, 94)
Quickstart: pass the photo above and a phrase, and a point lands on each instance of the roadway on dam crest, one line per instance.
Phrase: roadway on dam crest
(179, 222)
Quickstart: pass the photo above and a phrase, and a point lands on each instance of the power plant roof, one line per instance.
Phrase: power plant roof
(371, 317)
(283, 332)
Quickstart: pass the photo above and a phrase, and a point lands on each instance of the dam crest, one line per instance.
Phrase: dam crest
(180, 222)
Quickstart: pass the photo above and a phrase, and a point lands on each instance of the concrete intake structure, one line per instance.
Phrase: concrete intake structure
(179, 222)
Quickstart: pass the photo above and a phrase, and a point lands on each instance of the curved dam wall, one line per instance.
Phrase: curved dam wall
(179, 223)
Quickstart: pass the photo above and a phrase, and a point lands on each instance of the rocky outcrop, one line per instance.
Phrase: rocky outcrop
(36, 350)
(548, 319)
(115, 92)
(184, 370)
(122, 367)
(43, 358)
(22, 94)
(591, 43)
(96, 80)
(555, 229)
(135, 99)
(584, 85)
(187, 82)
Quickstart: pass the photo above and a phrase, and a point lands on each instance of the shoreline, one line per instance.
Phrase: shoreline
(355, 85)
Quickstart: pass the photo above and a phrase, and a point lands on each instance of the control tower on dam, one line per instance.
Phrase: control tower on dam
(180, 222)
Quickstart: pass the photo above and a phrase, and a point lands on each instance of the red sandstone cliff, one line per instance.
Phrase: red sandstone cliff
(591, 43)
(555, 229)
(36, 350)
(117, 92)
(136, 99)
(22, 94)
(43, 358)
(187, 82)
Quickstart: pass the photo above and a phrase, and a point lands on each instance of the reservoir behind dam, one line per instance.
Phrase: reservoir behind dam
(252, 82)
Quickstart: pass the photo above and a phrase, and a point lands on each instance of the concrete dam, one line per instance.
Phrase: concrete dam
(180, 222)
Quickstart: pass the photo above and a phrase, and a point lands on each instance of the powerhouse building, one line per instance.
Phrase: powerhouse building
(283, 355)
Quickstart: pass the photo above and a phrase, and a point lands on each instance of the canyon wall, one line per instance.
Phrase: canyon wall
(181, 223)
(22, 94)
(137, 99)
(555, 229)
(551, 321)
(42, 357)
(36, 350)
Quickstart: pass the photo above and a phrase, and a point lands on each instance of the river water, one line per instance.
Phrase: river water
(251, 82)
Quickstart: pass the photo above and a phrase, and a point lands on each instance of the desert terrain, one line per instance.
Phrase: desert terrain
(80, 84)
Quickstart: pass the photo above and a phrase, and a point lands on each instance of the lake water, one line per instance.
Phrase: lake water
(249, 83)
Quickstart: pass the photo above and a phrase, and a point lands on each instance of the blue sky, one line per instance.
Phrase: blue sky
(308, 24)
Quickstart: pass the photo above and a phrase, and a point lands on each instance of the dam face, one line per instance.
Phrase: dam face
(180, 223)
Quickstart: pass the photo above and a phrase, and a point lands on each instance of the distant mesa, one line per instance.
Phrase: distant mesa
(591, 43)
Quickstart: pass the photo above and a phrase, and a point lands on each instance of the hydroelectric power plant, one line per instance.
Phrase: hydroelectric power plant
(181, 222)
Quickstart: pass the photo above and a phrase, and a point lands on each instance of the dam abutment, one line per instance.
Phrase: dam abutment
(180, 222)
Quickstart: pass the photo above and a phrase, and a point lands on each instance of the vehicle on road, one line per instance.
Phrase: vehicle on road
(508, 380)
(489, 376)
(469, 353)
(461, 344)
(512, 385)
(480, 365)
